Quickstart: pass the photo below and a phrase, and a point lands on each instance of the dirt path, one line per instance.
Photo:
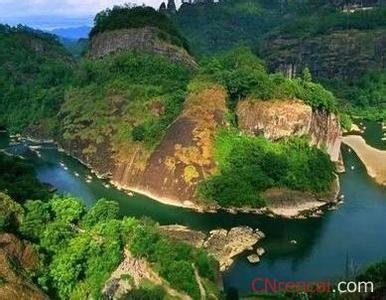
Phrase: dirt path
(198, 280)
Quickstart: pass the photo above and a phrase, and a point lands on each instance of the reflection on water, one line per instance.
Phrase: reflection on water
(355, 231)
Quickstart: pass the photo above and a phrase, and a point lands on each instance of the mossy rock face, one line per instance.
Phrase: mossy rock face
(345, 54)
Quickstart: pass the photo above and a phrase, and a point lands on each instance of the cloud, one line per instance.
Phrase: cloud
(57, 13)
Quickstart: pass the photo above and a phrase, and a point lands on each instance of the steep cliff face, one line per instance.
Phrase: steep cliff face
(339, 55)
(185, 155)
(148, 39)
(284, 118)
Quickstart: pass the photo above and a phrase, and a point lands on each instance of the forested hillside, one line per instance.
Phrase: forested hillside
(342, 42)
(143, 120)
(247, 118)
(34, 71)
(76, 249)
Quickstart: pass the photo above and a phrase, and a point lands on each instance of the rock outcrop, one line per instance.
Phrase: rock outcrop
(185, 155)
(297, 204)
(277, 119)
(17, 258)
(130, 274)
(147, 39)
(223, 244)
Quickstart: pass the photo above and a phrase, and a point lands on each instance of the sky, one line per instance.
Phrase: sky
(51, 14)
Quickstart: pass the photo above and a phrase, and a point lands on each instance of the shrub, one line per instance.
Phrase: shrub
(249, 165)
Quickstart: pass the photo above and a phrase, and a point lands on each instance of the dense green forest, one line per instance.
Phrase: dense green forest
(250, 165)
(279, 31)
(131, 99)
(35, 70)
(245, 75)
(79, 247)
(18, 180)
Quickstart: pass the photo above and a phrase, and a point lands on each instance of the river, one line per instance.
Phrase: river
(328, 248)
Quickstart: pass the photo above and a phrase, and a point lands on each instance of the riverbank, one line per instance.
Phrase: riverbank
(373, 159)
(284, 204)
(295, 248)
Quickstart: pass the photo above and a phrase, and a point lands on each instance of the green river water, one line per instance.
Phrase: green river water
(328, 248)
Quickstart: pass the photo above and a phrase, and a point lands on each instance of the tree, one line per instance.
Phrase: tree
(11, 213)
(18, 180)
(67, 209)
(56, 236)
(102, 211)
(37, 215)
(162, 7)
(171, 7)
(68, 265)
(307, 75)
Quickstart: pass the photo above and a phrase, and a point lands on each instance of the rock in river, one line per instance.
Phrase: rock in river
(260, 251)
(253, 258)
(223, 244)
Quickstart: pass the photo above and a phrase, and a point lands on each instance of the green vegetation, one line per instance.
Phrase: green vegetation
(79, 247)
(120, 17)
(79, 254)
(346, 122)
(11, 213)
(244, 75)
(146, 293)
(295, 34)
(366, 91)
(250, 165)
(174, 261)
(213, 27)
(248, 23)
(76, 47)
(318, 22)
(17, 179)
(35, 68)
(375, 273)
(121, 98)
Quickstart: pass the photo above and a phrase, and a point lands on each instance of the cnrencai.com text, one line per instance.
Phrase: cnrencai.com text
(274, 286)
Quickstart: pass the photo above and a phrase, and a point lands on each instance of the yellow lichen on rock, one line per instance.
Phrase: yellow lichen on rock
(190, 173)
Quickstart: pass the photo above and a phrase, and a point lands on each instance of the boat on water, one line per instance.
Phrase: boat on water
(32, 147)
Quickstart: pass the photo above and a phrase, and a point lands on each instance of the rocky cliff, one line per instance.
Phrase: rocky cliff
(284, 118)
(147, 39)
(341, 55)
(185, 155)
(16, 259)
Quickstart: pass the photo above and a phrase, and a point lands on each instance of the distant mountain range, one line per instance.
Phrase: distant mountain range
(72, 33)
